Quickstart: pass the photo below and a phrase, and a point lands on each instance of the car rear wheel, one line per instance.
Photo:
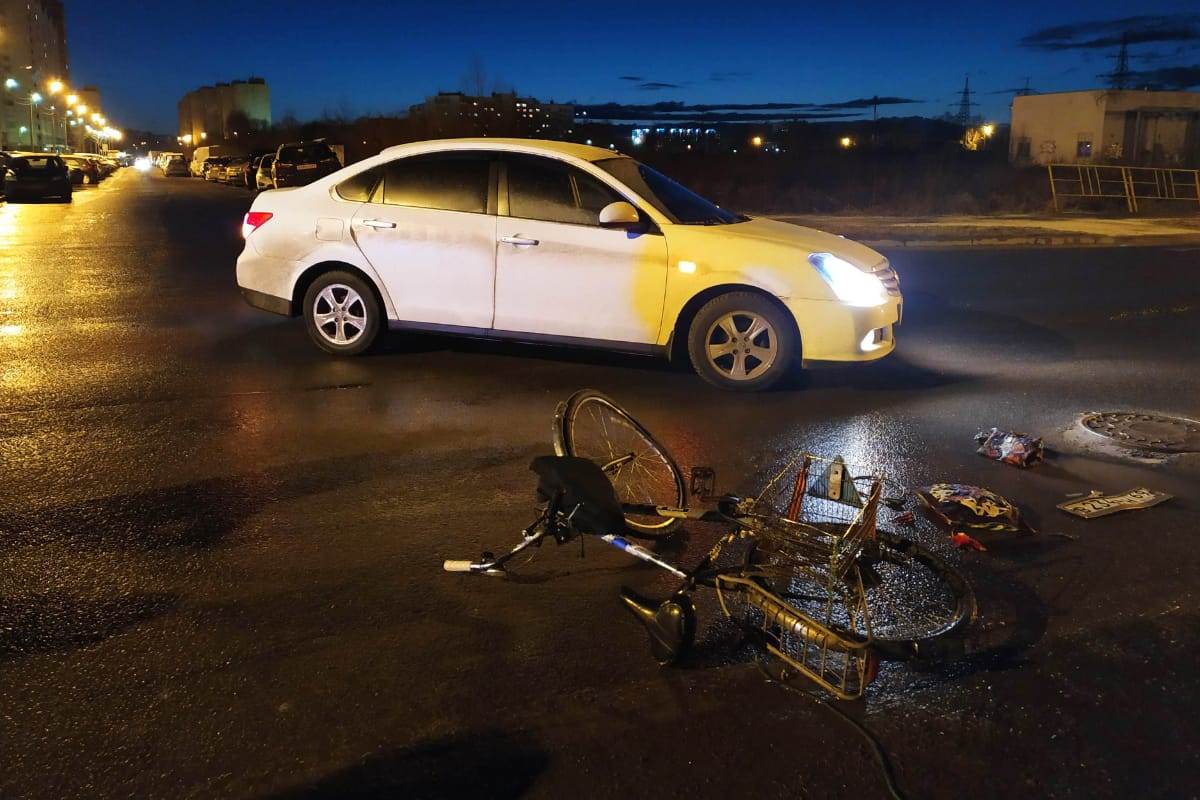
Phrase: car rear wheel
(341, 314)
(742, 341)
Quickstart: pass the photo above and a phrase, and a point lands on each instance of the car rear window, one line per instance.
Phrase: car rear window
(305, 153)
(36, 163)
(446, 181)
(358, 188)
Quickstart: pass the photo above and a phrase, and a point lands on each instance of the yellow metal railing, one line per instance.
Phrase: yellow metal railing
(1131, 184)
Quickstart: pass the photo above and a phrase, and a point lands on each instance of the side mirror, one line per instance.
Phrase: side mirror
(619, 215)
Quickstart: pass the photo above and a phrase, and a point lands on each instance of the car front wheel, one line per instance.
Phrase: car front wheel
(341, 314)
(742, 341)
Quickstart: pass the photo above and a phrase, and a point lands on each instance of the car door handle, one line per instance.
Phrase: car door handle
(519, 241)
(376, 223)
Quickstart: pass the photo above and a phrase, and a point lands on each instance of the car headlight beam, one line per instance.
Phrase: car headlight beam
(849, 283)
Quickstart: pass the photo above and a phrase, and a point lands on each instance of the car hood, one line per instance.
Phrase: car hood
(810, 240)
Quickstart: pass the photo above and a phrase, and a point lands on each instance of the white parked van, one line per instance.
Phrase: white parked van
(196, 167)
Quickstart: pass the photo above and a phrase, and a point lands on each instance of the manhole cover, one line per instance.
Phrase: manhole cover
(1156, 432)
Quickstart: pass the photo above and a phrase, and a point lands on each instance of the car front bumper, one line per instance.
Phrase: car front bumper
(833, 331)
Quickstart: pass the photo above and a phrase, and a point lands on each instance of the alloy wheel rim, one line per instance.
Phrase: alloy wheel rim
(741, 345)
(339, 314)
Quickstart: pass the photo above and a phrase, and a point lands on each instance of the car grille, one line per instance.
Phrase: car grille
(891, 281)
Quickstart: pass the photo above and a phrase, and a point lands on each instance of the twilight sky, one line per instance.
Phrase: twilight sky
(354, 57)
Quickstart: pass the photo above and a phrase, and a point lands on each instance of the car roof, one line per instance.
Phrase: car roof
(584, 152)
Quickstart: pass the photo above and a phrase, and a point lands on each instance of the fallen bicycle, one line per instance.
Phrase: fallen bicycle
(826, 590)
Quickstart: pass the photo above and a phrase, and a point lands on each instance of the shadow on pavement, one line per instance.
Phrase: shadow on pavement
(491, 764)
(48, 622)
(196, 514)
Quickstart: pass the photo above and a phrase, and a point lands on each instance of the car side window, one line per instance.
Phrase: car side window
(553, 191)
(358, 188)
(445, 181)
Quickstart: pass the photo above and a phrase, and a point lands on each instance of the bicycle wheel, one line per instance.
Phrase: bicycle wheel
(917, 603)
(591, 425)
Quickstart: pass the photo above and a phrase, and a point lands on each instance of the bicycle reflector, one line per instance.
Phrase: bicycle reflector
(253, 221)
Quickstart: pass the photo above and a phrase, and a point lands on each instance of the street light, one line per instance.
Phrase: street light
(72, 99)
(55, 86)
(11, 83)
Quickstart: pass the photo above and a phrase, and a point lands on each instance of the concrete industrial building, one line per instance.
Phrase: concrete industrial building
(223, 112)
(33, 52)
(497, 114)
(1106, 126)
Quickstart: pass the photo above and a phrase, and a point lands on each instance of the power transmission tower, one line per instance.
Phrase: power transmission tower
(963, 117)
(1119, 77)
(1026, 90)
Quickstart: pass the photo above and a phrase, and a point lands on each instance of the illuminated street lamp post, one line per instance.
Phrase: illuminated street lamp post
(34, 99)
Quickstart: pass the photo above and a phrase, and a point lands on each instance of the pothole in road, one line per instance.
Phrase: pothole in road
(1155, 433)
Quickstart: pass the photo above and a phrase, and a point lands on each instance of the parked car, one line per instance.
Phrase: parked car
(301, 163)
(556, 242)
(82, 170)
(232, 174)
(177, 167)
(36, 176)
(214, 168)
(262, 178)
(250, 171)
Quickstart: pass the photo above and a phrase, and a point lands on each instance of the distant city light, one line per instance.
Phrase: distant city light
(846, 142)
(757, 141)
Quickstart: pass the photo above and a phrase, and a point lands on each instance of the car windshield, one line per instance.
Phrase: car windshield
(305, 153)
(680, 204)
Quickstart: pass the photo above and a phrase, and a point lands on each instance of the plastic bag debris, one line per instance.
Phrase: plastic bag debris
(907, 518)
(965, 542)
(1018, 449)
(1096, 504)
(958, 505)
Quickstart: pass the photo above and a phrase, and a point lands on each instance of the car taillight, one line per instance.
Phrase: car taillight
(253, 221)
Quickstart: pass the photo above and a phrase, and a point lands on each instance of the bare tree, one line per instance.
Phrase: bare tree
(474, 80)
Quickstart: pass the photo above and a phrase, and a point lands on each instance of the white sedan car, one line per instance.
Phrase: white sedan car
(554, 242)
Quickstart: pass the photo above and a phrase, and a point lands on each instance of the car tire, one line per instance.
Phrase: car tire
(342, 314)
(743, 341)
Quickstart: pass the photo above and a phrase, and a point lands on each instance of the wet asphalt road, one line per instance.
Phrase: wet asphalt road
(220, 549)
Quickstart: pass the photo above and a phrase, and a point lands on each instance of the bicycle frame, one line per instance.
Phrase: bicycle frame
(839, 661)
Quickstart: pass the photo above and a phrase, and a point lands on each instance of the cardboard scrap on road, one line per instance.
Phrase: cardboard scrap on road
(1097, 504)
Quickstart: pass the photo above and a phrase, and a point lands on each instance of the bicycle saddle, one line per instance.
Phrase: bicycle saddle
(671, 624)
(581, 484)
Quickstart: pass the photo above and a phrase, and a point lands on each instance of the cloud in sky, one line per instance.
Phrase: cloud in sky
(1177, 78)
(732, 75)
(655, 86)
(1101, 34)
